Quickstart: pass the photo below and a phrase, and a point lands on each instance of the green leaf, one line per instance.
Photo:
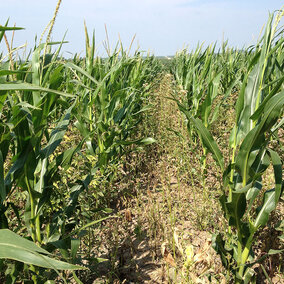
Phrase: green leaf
(255, 138)
(11, 72)
(3, 97)
(276, 127)
(250, 95)
(249, 273)
(275, 251)
(260, 109)
(19, 86)
(212, 92)
(63, 160)
(10, 28)
(82, 71)
(55, 139)
(17, 248)
(219, 246)
(78, 281)
(236, 208)
(18, 165)
(75, 243)
(267, 207)
(208, 141)
(277, 167)
(2, 184)
(57, 134)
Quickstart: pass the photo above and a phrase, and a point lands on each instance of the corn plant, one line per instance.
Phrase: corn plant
(200, 75)
(258, 109)
(193, 72)
(232, 63)
(204, 75)
(35, 112)
(30, 135)
(111, 101)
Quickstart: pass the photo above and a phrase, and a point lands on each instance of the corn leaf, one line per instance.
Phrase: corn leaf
(255, 137)
(82, 71)
(17, 248)
(208, 141)
(55, 139)
(277, 167)
(267, 207)
(19, 86)
(2, 184)
(10, 29)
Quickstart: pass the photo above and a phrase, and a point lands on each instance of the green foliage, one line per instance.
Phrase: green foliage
(40, 100)
(258, 109)
(17, 248)
(111, 102)
(51, 182)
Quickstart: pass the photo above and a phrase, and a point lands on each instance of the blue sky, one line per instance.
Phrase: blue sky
(161, 26)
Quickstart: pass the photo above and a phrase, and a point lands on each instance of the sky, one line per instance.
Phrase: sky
(161, 26)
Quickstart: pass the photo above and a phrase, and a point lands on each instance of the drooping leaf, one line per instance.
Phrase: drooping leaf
(208, 141)
(17, 248)
(267, 207)
(219, 246)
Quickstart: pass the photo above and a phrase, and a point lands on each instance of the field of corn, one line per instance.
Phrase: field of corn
(137, 169)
